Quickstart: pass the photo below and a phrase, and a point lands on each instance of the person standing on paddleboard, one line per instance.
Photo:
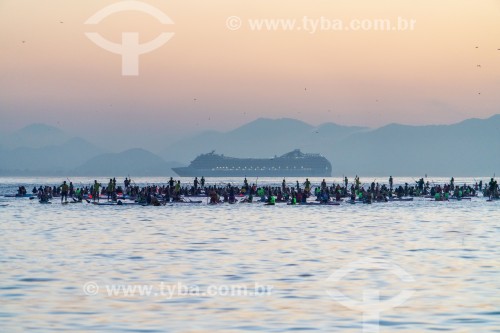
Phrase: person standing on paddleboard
(96, 191)
(195, 183)
(64, 191)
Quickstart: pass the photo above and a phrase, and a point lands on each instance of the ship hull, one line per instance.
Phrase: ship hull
(192, 172)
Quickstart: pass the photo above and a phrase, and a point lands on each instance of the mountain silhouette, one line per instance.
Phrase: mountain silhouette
(465, 149)
(133, 162)
(468, 148)
(260, 138)
(34, 136)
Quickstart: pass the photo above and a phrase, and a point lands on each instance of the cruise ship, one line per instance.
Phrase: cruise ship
(294, 163)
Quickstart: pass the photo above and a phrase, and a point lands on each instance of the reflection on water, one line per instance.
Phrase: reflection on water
(49, 253)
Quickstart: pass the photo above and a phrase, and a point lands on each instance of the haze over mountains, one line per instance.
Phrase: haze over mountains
(469, 148)
(45, 150)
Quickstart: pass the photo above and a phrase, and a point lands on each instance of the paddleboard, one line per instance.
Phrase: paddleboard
(315, 204)
(18, 196)
(186, 202)
(401, 199)
(322, 204)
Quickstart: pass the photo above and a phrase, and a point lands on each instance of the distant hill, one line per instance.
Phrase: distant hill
(49, 160)
(34, 136)
(468, 148)
(260, 138)
(42, 150)
(136, 162)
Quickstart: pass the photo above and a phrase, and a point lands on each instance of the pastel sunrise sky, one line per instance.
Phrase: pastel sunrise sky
(209, 77)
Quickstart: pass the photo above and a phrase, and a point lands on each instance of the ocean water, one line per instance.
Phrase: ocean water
(392, 267)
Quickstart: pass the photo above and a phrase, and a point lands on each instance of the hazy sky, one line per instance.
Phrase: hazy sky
(211, 77)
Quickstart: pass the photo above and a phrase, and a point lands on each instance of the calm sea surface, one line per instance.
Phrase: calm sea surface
(416, 266)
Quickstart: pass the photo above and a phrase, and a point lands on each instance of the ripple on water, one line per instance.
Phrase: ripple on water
(492, 313)
(298, 329)
(291, 249)
(232, 277)
(467, 320)
(37, 279)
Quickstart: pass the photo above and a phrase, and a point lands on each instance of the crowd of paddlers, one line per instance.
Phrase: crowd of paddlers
(294, 193)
